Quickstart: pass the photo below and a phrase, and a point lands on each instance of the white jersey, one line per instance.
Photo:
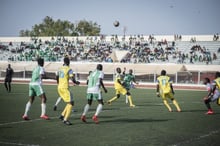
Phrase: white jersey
(216, 94)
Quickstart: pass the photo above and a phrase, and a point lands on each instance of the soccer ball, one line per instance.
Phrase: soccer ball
(116, 23)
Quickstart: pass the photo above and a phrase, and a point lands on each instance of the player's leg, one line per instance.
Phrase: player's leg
(57, 102)
(68, 112)
(43, 107)
(117, 93)
(68, 97)
(27, 108)
(29, 103)
(9, 85)
(125, 92)
(98, 109)
(176, 104)
(163, 96)
(207, 103)
(126, 97)
(5, 83)
(87, 106)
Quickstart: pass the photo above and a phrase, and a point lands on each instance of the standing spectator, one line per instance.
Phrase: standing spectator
(8, 78)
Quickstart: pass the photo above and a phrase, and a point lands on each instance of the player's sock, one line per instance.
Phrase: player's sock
(86, 109)
(126, 99)
(177, 105)
(43, 109)
(218, 101)
(58, 101)
(130, 101)
(167, 105)
(27, 108)
(113, 99)
(68, 111)
(64, 111)
(98, 109)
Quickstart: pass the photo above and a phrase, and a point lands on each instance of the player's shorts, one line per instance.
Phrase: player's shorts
(7, 79)
(35, 90)
(215, 96)
(121, 90)
(94, 96)
(65, 94)
(167, 95)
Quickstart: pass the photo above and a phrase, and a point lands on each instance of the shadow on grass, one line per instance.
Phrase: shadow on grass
(127, 120)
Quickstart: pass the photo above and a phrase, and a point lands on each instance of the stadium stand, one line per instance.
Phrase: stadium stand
(179, 55)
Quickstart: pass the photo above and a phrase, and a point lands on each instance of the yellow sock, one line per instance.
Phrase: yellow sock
(114, 98)
(130, 101)
(218, 101)
(177, 105)
(68, 111)
(167, 105)
(64, 111)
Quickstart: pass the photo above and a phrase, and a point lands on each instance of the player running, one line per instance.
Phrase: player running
(120, 89)
(165, 90)
(128, 81)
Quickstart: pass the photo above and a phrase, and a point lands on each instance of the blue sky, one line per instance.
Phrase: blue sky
(159, 17)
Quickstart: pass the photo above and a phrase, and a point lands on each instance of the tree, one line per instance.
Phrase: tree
(49, 27)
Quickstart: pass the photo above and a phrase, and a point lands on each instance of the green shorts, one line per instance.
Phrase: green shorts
(35, 90)
(94, 96)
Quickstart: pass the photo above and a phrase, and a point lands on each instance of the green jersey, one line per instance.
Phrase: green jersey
(127, 80)
(36, 75)
(94, 81)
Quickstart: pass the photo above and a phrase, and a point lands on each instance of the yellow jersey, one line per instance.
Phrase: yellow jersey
(164, 84)
(217, 82)
(64, 73)
(118, 77)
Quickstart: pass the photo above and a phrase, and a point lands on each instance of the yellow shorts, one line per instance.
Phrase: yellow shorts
(65, 94)
(121, 90)
(167, 95)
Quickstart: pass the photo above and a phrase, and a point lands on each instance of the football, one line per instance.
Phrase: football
(116, 23)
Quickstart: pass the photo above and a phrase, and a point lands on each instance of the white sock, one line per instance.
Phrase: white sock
(27, 108)
(86, 109)
(98, 109)
(58, 101)
(43, 109)
(126, 99)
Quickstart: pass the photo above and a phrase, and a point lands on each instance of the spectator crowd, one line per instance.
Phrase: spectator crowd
(98, 49)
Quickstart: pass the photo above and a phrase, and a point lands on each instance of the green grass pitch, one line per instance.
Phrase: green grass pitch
(148, 124)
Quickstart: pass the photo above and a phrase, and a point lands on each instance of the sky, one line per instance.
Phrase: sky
(139, 17)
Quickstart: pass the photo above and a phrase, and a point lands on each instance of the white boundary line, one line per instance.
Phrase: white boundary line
(197, 138)
(21, 144)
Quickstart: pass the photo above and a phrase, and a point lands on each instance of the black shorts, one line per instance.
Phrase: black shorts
(7, 79)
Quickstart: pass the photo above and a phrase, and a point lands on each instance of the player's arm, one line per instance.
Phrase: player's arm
(157, 90)
(44, 76)
(74, 80)
(102, 85)
(214, 87)
(209, 95)
(124, 71)
(171, 87)
(135, 81)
